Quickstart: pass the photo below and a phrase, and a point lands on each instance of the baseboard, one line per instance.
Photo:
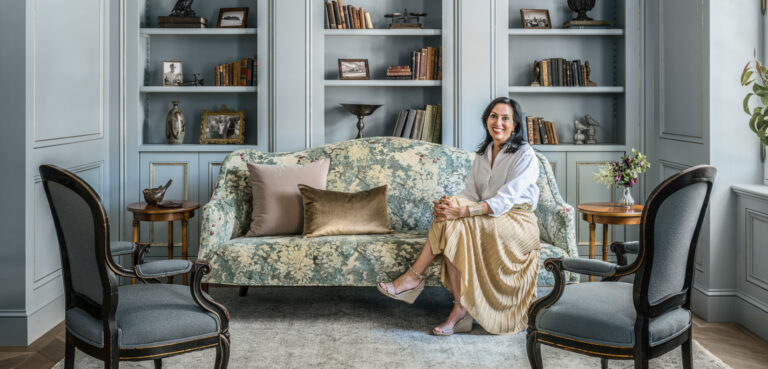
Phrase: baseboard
(14, 332)
(729, 305)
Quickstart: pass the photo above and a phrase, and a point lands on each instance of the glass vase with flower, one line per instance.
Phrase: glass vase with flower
(623, 174)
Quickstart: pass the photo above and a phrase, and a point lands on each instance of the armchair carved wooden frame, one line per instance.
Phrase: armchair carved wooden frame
(665, 297)
(92, 307)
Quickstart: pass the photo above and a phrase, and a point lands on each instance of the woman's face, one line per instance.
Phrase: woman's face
(500, 123)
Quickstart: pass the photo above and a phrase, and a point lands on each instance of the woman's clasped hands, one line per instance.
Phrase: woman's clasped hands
(446, 209)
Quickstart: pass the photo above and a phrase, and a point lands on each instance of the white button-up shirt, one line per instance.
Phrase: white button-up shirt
(511, 180)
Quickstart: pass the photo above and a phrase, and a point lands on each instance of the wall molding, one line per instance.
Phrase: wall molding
(578, 201)
(730, 293)
(750, 216)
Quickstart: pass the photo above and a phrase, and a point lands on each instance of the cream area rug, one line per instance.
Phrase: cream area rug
(350, 327)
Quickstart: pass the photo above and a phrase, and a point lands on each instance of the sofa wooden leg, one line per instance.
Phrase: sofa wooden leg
(204, 287)
(243, 291)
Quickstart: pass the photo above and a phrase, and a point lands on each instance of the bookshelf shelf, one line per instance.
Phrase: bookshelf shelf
(566, 32)
(197, 31)
(191, 148)
(383, 32)
(566, 90)
(381, 83)
(581, 148)
(197, 89)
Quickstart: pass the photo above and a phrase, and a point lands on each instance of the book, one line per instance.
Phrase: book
(408, 123)
(536, 133)
(529, 127)
(338, 15)
(544, 73)
(423, 66)
(343, 19)
(326, 22)
(426, 132)
(587, 24)
(554, 133)
(437, 128)
(418, 124)
(331, 15)
(347, 18)
(543, 132)
(416, 64)
(368, 21)
(548, 130)
(399, 123)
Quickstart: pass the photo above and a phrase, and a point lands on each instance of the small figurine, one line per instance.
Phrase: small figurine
(536, 72)
(592, 123)
(196, 82)
(588, 70)
(578, 136)
(183, 8)
(155, 195)
(396, 17)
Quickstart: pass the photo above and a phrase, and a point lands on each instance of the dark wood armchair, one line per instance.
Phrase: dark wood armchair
(132, 322)
(641, 319)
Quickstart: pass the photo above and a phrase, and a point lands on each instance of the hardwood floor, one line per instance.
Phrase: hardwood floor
(732, 343)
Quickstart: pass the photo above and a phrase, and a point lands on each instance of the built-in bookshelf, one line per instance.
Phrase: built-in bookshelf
(383, 47)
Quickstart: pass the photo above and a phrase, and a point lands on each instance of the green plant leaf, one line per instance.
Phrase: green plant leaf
(760, 90)
(746, 103)
(745, 77)
(752, 122)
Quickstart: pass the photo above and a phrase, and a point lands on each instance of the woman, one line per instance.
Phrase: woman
(488, 235)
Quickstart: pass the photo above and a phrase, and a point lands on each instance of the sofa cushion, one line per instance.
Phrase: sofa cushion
(277, 204)
(329, 213)
(348, 260)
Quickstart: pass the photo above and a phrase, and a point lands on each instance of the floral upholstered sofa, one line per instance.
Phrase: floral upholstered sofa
(417, 173)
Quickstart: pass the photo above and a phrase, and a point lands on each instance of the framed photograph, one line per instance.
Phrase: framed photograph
(223, 127)
(535, 18)
(172, 73)
(354, 69)
(232, 18)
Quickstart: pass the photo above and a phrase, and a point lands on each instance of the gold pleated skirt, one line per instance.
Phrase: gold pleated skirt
(498, 258)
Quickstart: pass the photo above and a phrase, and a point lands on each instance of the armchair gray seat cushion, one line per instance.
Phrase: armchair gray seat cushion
(148, 314)
(603, 313)
(119, 248)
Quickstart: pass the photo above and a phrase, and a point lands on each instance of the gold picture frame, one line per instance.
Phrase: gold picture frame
(232, 18)
(354, 69)
(533, 18)
(223, 127)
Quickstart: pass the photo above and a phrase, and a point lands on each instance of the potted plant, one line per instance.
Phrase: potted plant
(758, 121)
(623, 173)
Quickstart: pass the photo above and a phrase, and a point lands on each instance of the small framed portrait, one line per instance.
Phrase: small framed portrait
(172, 73)
(232, 18)
(223, 127)
(535, 18)
(354, 69)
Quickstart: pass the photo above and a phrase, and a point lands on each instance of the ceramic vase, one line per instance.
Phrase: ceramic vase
(174, 125)
(626, 198)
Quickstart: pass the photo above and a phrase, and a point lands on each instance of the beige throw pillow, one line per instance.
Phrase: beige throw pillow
(332, 213)
(277, 203)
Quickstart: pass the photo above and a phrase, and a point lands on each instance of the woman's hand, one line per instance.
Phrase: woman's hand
(445, 209)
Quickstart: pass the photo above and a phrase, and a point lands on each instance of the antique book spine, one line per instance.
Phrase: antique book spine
(400, 123)
(368, 21)
(361, 17)
(331, 15)
(548, 129)
(529, 126)
(536, 134)
(337, 13)
(244, 72)
(344, 20)
(554, 133)
(543, 132)
(409, 123)
(437, 136)
(417, 67)
(326, 21)
(418, 124)
(430, 63)
(423, 66)
(544, 72)
(426, 131)
(347, 18)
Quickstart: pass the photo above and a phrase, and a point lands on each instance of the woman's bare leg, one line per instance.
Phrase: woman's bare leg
(458, 311)
(409, 280)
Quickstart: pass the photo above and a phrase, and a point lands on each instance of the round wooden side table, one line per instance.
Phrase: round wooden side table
(607, 213)
(151, 213)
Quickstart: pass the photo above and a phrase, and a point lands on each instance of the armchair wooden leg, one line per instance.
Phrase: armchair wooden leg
(603, 363)
(534, 351)
(158, 363)
(243, 291)
(69, 353)
(641, 362)
(687, 349)
(222, 352)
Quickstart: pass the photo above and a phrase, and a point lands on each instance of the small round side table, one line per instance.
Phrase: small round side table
(151, 213)
(607, 213)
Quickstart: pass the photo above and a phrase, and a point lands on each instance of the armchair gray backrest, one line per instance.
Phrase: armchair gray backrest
(95, 322)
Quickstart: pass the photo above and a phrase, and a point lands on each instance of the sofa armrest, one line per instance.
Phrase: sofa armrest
(218, 225)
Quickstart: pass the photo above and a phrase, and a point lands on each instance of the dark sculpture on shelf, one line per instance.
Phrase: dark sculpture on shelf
(536, 73)
(183, 8)
(581, 7)
(360, 110)
(197, 81)
(154, 195)
(397, 17)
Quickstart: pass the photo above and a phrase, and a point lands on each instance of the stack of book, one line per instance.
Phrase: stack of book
(420, 124)
(181, 22)
(561, 72)
(339, 16)
(238, 73)
(427, 63)
(541, 132)
(399, 72)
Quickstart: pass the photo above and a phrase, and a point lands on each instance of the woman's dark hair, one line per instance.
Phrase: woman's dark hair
(516, 138)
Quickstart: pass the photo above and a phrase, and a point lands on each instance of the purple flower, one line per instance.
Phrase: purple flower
(632, 182)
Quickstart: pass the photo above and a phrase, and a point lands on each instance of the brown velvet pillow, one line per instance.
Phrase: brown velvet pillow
(277, 204)
(331, 213)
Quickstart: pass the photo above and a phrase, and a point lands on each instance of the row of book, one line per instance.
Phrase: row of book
(420, 124)
(541, 132)
(427, 63)
(561, 72)
(238, 73)
(339, 16)
(399, 72)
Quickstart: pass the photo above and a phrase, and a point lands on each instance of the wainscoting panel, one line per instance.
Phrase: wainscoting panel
(558, 163)
(752, 254)
(756, 248)
(68, 71)
(210, 163)
(156, 170)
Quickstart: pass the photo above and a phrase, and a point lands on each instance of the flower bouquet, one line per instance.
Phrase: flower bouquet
(623, 173)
